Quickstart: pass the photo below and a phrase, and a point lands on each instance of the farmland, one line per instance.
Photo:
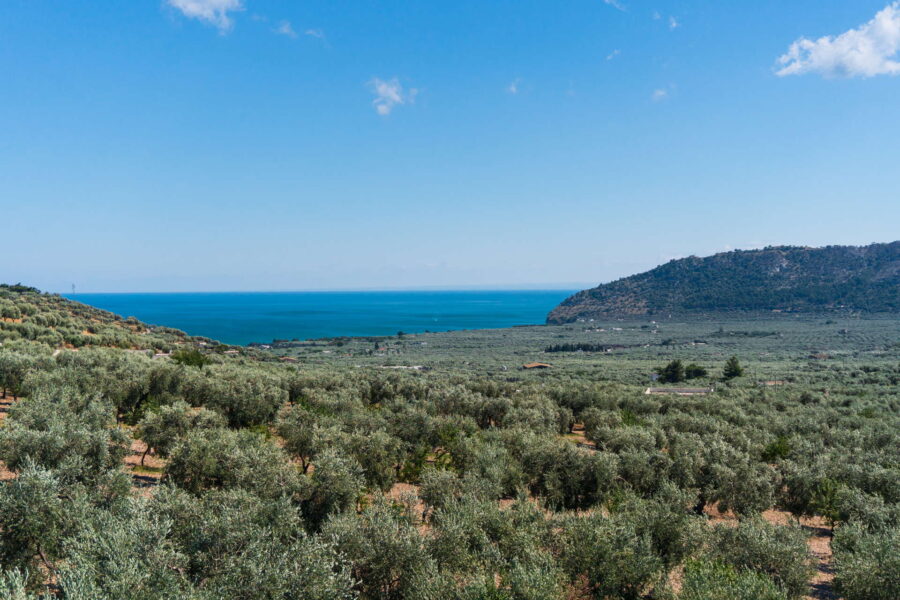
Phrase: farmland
(149, 464)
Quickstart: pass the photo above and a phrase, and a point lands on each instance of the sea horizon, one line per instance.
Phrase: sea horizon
(241, 318)
(517, 287)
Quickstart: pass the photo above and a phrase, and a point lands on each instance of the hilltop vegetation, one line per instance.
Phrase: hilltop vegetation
(782, 278)
(28, 315)
(348, 474)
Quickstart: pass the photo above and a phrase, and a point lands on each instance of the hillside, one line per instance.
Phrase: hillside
(27, 314)
(785, 278)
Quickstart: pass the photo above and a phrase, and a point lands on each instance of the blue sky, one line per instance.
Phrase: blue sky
(178, 145)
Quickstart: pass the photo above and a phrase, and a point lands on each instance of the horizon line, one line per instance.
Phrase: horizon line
(462, 288)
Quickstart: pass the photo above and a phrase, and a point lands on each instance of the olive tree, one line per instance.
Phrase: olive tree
(867, 563)
(162, 429)
(224, 459)
(780, 552)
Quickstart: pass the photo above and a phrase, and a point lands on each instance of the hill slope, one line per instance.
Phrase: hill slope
(784, 278)
(27, 314)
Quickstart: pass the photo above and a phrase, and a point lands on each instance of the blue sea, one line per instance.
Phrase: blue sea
(244, 317)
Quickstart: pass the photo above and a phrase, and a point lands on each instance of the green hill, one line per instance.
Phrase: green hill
(28, 315)
(784, 278)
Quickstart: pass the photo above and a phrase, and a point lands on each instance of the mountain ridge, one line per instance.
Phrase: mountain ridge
(775, 278)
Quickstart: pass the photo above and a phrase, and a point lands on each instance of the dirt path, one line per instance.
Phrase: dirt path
(144, 478)
(577, 437)
(822, 582)
(5, 404)
(819, 541)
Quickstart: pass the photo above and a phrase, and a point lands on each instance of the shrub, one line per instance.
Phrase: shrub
(225, 459)
(705, 580)
(780, 552)
(72, 435)
(387, 555)
(694, 371)
(32, 519)
(778, 449)
(867, 563)
(672, 372)
(162, 429)
(122, 555)
(335, 486)
(616, 559)
(732, 368)
(238, 545)
(190, 357)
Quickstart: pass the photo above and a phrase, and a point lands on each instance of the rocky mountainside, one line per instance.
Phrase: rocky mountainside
(784, 278)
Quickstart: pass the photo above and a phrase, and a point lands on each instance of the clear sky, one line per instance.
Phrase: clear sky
(180, 145)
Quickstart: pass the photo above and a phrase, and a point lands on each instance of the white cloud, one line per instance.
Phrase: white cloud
(214, 12)
(513, 88)
(656, 15)
(673, 23)
(660, 94)
(389, 94)
(284, 28)
(613, 54)
(316, 33)
(615, 4)
(869, 50)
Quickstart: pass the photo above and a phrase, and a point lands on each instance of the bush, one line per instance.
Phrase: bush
(238, 545)
(335, 486)
(732, 368)
(672, 372)
(32, 519)
(190, 357)
(122, 555)
(387, 555)
(225, 459)
(612, 554)
(74, 436)
(162, 429)
(246, 396)
(780, 552)
(567, 476)
(694, 371)
(704, 580)
(867, 564)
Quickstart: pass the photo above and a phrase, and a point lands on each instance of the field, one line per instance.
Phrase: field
(143, 463)
(798, 349)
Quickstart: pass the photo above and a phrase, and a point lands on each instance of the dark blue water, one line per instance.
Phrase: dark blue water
(241, 318)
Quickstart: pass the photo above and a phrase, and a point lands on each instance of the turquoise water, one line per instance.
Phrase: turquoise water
(243, 317)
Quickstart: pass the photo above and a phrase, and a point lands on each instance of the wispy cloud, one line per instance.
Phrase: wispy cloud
(615, 4)
(867, 51)
(613, 54)
(316, 33)
(390, 94)
(673, 23)
(660, 94)
(285, 28)
(214, 12)
(513, 88)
